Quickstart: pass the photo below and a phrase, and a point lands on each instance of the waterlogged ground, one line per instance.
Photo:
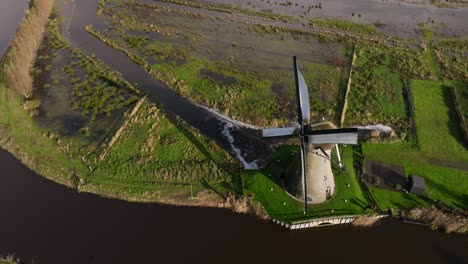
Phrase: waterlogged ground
(395, 17)
(77, 95)
(243, 69)
(124, 145)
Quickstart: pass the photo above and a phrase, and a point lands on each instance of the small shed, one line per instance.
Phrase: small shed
(417, 184)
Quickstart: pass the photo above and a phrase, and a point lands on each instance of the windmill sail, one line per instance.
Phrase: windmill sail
(303, 107)
(280, 132)
(334, 136)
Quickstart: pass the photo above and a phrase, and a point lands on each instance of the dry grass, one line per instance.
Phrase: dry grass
(20, 57)
(449, 220)
(366, 221)
(245, 205)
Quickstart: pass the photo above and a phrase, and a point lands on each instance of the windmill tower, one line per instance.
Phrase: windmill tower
(309, 178)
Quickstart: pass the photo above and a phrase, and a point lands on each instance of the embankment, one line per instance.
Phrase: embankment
(19, 59)
(448, 219)
(460, 115)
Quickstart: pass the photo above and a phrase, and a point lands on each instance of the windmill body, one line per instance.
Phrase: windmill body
(309, 178)
(318, 172)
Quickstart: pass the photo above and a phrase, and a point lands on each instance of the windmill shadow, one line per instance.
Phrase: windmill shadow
(385, 176)
(231, 169)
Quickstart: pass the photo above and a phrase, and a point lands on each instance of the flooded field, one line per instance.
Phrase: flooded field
(396, 17)
(77, 93)
(185, 45)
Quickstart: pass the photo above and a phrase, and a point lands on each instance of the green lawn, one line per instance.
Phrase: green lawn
(439, 135)
(259, 183)
(389, 199)
(438, 139)
(442, 184)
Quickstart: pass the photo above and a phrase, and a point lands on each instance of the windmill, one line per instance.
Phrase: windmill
(310, 178)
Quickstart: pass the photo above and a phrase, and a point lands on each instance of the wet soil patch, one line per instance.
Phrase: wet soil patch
(217, 77)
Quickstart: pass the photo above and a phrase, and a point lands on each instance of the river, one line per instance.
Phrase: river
(43, 222)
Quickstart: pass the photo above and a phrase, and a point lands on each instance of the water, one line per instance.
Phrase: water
(78, 15)
(48, 223)
(401, 17)
(43, 222)
(10, 16)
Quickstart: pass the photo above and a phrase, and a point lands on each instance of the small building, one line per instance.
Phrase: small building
(416, 185)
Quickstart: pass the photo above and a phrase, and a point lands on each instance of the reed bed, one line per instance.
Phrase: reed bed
(20, 57)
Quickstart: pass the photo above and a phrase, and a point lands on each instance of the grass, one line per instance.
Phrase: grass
(158, 158)
(259, 183)
(461, 94)
(438, 139)
(180, 46)
(162, 150)
(396, 200)
(451, 54)
(443, 184)
(93, 90)
(34, 146)
(439, 135)
(377, 86)
(254, 100)
(345, 25)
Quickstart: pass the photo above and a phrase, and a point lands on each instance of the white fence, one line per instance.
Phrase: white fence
(325, 221)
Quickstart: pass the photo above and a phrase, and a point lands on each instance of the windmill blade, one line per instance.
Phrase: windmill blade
(303, 107)
(334, 136)
(280, 132)
(304, 149)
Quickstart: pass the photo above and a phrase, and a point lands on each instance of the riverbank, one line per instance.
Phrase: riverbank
(72, 227)
(35, 131)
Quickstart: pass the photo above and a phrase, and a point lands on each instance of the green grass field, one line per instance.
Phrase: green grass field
(259, 183)
(378, 82)
(156, 154)
(443, 184)
(439, 141)
(439, 134)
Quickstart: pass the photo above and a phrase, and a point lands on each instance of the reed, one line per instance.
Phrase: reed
(19, 59)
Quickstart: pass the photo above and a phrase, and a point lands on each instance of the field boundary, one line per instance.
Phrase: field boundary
(460, 115)
(348, 89)
(409, 99)
(122, 128)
